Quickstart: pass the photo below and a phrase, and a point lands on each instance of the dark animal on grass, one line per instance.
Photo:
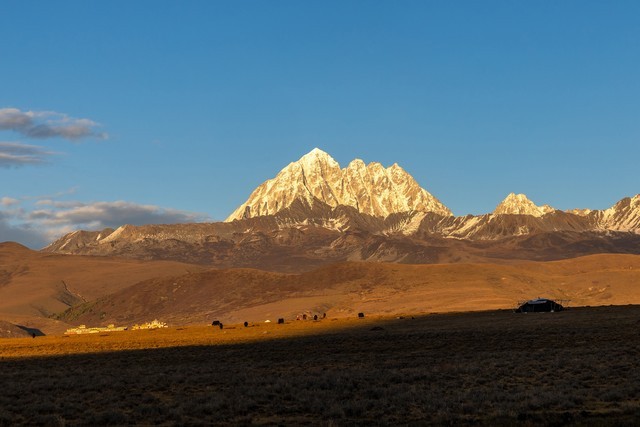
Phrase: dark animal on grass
(360, 315)
(315, 317)
(215, 323)
(280, 321)
(246, 324)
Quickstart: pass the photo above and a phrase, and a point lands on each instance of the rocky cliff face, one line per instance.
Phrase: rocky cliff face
(318, 179)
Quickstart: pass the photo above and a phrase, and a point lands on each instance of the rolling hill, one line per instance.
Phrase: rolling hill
(340, 290)
(35, 285)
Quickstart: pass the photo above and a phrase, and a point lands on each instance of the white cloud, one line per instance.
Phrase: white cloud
(48, 124)
(14, 119)
(15, 154)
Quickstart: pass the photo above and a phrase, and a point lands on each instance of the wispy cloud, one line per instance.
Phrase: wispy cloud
(65, 204)
(9, 201)
(43, 198)
(54, 218)
(109, 214)
(48, 124)
(21, 233)
(15, 154)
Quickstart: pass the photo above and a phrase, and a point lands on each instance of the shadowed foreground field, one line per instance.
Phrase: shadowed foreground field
(576, 367)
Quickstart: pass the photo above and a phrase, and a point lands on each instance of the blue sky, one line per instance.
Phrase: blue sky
(132, 112)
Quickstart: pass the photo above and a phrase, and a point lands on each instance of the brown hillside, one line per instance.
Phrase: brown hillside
(344, 289)
(35, 284)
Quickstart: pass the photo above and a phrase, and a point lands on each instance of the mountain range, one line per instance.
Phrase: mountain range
(314, 212)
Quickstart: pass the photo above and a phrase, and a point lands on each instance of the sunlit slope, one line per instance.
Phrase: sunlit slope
(344, 289)
(36, 284)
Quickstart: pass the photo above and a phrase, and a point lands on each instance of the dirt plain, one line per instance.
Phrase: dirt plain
(485, 368)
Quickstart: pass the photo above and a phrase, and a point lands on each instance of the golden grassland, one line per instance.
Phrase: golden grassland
(487, 368)
(198, 335)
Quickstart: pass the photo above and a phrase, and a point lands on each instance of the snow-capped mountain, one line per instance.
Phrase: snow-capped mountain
(623, 216)
(519, 204)
(317, 178)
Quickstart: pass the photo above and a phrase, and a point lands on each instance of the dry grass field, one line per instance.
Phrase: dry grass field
(342, 290)
(490, 368)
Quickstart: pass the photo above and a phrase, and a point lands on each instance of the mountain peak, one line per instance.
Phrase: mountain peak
(315, 155)
(370, 189)
(317, 152)
(357, 164)
(315, 158)
(519, 204)
(517, 198)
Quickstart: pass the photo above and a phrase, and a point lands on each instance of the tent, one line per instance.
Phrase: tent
(539, 305)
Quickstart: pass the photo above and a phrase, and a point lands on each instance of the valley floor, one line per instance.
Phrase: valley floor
(493, 368)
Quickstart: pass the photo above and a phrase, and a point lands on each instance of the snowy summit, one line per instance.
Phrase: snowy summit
(519, 204)
(371, 189)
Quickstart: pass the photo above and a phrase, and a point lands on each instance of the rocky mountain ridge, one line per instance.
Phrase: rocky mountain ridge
(290, 241)
(313, 213)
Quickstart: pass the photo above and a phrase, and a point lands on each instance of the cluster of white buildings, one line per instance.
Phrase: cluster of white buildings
(82, 329)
